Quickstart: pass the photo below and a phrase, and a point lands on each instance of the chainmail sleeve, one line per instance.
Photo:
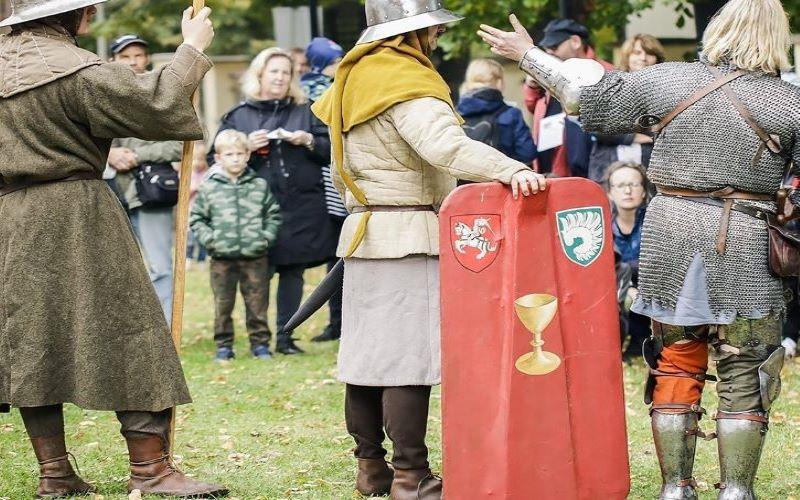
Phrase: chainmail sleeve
(612, 106)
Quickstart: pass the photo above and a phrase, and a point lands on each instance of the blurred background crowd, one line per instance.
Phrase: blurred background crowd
(271, 62)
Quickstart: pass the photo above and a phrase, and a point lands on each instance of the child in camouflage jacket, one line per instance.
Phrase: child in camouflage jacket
(236, 218)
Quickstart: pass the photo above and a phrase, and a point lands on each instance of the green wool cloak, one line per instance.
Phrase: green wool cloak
(79, 319)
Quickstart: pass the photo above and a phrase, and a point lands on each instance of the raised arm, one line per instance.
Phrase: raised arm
(608, 103)
(116, 102)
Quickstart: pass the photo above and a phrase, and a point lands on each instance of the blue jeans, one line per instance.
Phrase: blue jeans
(154, 228)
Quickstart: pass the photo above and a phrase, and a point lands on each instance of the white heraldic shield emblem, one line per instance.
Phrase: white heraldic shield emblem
(582, 234)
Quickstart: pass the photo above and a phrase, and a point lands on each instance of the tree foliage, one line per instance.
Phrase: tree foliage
(245, 26)
(242, 26)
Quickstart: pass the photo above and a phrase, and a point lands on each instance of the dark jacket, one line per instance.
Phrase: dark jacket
(604, 153)
(294, 173)
(515, 136)
(629, 245)
(235, 219)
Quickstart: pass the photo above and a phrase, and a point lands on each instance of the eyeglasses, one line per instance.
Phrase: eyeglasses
(627, 185)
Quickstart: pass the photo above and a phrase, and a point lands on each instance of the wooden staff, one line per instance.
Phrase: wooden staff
(181, 233)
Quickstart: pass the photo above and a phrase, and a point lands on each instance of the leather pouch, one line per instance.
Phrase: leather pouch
(784, 252)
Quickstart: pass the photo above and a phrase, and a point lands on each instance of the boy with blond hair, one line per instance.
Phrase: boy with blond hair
(236, 218)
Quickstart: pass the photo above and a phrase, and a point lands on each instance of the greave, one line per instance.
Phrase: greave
(740, 442)
(675, 437)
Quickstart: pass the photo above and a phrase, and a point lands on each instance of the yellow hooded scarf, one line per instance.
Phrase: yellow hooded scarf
(372, 78)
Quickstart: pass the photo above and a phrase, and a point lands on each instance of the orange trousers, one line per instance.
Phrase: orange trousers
(690, 357)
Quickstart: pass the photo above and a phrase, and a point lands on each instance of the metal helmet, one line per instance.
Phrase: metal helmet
(387, 18)
(29, 10)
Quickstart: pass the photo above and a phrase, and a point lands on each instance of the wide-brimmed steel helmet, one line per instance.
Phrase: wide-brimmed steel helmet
(387, 18)
(29, 10)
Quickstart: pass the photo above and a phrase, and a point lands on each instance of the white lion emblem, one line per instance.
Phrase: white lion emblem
(474, 237)
(582, 234)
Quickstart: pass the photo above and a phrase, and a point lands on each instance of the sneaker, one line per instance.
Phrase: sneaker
(224, 354)
(261, 352)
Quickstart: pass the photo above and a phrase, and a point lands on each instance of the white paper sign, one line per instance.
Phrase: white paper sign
(551, 132)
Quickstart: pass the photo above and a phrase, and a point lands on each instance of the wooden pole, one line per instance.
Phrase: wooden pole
(181, 232)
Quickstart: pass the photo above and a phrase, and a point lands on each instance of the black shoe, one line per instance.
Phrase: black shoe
(330, 333)
(287, 346)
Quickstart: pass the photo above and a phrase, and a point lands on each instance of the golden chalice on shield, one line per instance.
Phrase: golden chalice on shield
(536, 311)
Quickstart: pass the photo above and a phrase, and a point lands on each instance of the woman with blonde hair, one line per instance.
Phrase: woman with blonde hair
(289, 147)
(726, 130)
(488, 118)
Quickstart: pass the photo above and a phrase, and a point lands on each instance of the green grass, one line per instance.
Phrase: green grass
(276, 429)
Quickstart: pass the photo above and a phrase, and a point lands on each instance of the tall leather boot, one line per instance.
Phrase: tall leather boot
(675, 437)
(45, 427)
(405, 413)
(57, 479)
(363, 413)
(153, 473)
(740, 442)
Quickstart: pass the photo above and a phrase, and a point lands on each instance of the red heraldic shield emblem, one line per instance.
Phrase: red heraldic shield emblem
(476, 240)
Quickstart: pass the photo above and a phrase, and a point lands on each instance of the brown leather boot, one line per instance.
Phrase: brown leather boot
(57, 479)
(374, 477)
(152, 472)
(416, 484)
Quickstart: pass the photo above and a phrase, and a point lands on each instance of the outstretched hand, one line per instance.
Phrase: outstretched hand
(509, 44)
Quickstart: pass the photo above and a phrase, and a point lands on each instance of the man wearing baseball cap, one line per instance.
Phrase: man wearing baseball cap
(565, 39)
(152, 225)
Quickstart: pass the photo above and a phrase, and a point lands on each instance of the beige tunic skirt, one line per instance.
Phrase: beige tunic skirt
(390, 322)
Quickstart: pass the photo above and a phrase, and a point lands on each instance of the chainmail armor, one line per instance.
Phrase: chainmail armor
(708, 147)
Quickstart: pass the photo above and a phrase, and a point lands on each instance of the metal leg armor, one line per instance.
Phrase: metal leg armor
(749, 362)
(678, 360)
(740, 443)
(675, 436)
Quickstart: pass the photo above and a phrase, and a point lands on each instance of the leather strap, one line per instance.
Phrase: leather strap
(19, 186)
(393, 208)
(694, 98)
(687, 408)
(726, 196)
(772, 142)
(727, 193)
(723, 415)
(702, 377)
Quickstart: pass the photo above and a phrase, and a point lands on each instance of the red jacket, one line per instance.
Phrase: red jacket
(537, 100)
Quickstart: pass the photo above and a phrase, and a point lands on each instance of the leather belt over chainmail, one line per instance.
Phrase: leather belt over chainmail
(19, 186)
(724, 198)
(393, 208)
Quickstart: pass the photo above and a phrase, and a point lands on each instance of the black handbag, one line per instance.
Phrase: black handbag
(156, 185)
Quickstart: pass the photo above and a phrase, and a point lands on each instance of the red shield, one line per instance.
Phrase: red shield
(475, 240)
